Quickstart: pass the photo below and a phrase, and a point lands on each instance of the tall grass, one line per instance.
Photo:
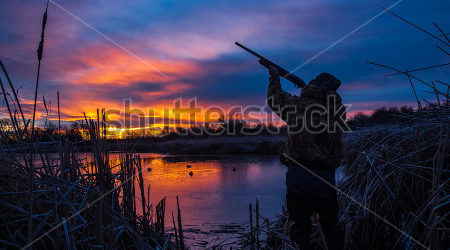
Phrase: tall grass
(402, 172)
(77, 205)
(58, 201)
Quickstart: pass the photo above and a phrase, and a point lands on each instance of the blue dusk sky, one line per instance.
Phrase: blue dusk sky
(100, 52)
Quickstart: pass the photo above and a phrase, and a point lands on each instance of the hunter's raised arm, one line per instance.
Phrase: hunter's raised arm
(277, 99)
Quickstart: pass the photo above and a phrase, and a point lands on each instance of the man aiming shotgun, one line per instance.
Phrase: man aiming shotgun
(313, 142)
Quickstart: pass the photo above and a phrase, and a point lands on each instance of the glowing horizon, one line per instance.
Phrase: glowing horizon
(186, 51)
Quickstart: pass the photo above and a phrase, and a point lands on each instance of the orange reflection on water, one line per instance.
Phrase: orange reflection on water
(220, 188)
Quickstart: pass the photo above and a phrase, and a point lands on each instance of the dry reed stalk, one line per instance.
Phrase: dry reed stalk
(14, 93)
(180, 227)
(250, 211)
(257, 223)
(13, 120)
(30, 175)
(177, 244)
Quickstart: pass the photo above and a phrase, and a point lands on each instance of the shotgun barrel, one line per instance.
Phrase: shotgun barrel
(268, 64)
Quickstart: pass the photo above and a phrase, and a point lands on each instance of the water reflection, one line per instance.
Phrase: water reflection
(219, 190)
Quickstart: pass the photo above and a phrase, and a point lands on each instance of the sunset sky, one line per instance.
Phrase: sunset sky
(153, 52)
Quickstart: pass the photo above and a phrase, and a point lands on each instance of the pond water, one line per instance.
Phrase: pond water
(214, 200)
(216, 197)
(220, 188)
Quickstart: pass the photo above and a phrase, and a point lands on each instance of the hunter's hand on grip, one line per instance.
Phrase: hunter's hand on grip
(273, 72)
(296, 80)
(265, 63)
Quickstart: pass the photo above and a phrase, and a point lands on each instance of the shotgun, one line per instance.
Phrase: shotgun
(268, 64)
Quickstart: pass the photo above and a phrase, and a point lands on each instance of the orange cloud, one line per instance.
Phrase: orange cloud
(103, 64)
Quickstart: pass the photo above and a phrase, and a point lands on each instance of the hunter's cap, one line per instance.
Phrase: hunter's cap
(326, 81)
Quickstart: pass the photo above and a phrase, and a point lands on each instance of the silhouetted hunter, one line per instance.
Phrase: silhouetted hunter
(319, 151)
(315, 121)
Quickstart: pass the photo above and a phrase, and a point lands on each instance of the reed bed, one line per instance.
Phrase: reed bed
(401, 174)
(58, 200)
(74, 204)
(273, 233)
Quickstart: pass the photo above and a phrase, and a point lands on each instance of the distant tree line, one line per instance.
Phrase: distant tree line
(222, 127)
(383, 115)
(225, 127)
(48, 133)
